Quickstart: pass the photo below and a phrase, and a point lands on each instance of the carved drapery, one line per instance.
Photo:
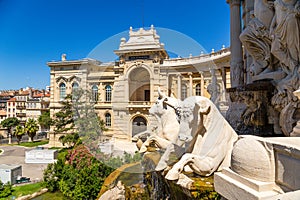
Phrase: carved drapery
(272, 38)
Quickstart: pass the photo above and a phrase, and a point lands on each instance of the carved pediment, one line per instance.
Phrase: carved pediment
(72, 78)
(60, 79)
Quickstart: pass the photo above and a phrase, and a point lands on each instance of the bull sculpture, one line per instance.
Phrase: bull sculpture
(168, 119)
(208, 138)
(196, 126)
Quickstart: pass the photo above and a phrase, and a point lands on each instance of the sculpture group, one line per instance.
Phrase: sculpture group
(196, 132)
(272, 39)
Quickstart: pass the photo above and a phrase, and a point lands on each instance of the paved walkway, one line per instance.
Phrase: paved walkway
(16, 155)
(117, 147)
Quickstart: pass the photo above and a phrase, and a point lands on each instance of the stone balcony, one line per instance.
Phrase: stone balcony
(21, 114)
(139, 105)
(21, 107)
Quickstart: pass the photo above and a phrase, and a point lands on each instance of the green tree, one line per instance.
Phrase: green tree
(64, 123)
(90, 127)
(19, 132)
(45, 120)
(78, 116)
(5, 189)
(10, 123)
(53, 174)
(71, 139)
(78, 175)
(31, 128)
(63, 120)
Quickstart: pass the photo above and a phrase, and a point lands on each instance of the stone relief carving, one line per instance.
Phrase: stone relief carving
(272, 38)
(256, 38)
(254, 114)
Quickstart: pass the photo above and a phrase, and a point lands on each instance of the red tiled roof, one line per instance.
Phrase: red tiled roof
(38, 95)
(2, 112)
(12, 99)
(41, 95)
(23, 93)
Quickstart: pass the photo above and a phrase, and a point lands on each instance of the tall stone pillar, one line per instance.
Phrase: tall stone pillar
(202, 84)
(190, 83)
(236, 64)
(179, 86)
(248, 7)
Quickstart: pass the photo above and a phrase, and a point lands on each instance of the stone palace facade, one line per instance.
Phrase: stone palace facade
(124, 90)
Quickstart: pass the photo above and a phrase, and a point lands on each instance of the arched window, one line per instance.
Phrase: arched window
(183, 91)
(108, 93)
(62, 91)
(108, 120)
(95, 93)
(75, 86)
(139, 124)
(198, 90)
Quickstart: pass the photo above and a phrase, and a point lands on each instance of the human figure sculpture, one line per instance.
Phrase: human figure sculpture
(285, 33)
(256, 37)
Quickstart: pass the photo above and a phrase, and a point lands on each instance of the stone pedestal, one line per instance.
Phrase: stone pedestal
(233, 186)
(296, 129)
(251, 112)
(243, 182)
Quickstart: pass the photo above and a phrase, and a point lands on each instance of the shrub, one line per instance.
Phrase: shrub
(5, 189)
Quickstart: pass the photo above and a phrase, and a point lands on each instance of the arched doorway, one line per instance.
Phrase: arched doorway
(139, 85)
(139, 124)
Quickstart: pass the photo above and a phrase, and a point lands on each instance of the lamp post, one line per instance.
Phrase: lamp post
(9, 138)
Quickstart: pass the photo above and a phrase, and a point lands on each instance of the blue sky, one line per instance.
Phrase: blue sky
(33, 32)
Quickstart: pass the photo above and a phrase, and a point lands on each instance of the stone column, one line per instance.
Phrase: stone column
(168, 85)
(191, 83)
(179, 86)
(202, 84)
(248, 7)
(236, 64)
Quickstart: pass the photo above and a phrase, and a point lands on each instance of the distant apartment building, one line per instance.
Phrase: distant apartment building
(2, 115)
(4, 97)
(37, 104)
(11, 107)
(23, 104)
(21, 99)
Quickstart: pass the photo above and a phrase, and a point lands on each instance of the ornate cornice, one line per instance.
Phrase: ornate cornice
(233, 2)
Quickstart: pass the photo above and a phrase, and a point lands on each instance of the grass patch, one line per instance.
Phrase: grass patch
(1, 151)
(24, 190)
(34, 143)
(51, 196)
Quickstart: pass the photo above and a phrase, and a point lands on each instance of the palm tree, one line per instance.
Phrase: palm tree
(19, 132)
(31, 128)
